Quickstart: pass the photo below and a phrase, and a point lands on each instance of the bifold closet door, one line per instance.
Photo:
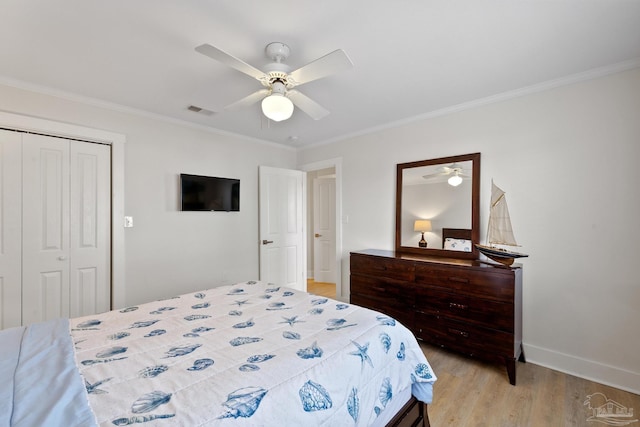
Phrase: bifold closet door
(65, 228)
(90, 243)
(45, 228)
(10, 229)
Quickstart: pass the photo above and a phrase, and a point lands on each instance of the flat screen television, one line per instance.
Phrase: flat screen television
(209, 193)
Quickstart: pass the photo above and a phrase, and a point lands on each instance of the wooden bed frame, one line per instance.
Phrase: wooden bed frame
(456, 233)
(412, 414)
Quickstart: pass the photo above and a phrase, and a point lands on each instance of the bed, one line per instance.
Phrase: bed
(457, 239)
(249, 354)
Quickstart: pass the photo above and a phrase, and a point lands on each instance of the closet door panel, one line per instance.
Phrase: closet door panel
(90, 244)
(51, 296)
(45, 244)
(10, 229)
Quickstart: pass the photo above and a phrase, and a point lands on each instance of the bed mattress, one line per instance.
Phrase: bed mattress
(243, 355)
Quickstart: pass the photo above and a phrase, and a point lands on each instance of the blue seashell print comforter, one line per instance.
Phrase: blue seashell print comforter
(245, 355)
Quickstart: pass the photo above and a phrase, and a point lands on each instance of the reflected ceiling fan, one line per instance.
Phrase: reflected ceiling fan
(278, 96)
(454, 172)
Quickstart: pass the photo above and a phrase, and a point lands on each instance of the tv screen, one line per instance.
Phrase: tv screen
(208, 193)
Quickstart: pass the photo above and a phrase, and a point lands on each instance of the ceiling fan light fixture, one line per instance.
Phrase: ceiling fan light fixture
(277, 80)
(455, 180)
(277, 107)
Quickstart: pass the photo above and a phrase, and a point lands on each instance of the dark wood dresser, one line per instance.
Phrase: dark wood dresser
(463, 305)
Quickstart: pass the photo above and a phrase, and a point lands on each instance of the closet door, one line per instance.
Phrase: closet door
(66, 239)
(90, 244)
(45, 231)
(10, 229)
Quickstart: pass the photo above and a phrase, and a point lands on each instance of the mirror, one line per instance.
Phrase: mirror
(448, 214)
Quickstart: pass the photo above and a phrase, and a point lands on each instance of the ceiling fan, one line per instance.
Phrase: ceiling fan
(277, 96)
(455, 172)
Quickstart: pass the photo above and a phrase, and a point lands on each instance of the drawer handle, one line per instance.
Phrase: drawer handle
(379, 289)
(458, 306)
(458, 279)
(459, 332)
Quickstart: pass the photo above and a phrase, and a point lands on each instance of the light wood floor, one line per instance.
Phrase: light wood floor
(473, 393)
(321, 288)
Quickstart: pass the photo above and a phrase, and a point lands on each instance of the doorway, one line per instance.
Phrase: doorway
(282, 227)
(324, 230)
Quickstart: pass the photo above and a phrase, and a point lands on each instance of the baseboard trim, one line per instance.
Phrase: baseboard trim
(583, 368)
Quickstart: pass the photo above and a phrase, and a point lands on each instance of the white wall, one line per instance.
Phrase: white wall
(568, 160)
(170, 252)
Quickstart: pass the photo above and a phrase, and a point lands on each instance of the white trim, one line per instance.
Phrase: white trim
(117, 141)
(337, 164)
(504, 96)
(583, 368)
(18, 84)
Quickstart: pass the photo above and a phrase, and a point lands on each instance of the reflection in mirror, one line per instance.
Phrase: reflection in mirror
(427, 195)
(443, 194)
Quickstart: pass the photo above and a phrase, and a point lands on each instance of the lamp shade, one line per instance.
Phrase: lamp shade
(277, 107)
(422, 225)
(455, 180)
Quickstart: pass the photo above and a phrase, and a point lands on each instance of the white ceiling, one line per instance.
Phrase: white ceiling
(412, 58)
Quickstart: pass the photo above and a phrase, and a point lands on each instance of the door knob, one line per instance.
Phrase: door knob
(318, 235)
(266, 242)
(62, 257)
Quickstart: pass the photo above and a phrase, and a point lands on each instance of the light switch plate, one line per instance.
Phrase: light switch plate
(128, 221)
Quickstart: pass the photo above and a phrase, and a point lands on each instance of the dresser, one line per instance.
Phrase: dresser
(466, 306)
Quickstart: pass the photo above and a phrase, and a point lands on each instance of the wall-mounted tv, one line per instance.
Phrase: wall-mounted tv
(209, 193)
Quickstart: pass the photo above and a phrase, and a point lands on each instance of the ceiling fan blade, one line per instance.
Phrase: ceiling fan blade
(306, 104)
(247, 100)
(222, 56)
(434, 175)
(331, 63)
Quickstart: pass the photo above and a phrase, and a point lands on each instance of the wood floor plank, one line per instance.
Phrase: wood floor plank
(576, 392)
(548, 397)
(323, 289)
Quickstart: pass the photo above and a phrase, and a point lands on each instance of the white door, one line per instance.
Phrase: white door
(45, 230)
(10, 229)
(90, 243)
(324, 225)
(282, 234)
(65, 223)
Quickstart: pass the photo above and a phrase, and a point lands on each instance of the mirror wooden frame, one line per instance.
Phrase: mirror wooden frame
(475, 207)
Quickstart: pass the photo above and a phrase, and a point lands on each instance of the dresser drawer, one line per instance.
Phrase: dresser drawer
(382, 267)
(385, 295)
(470, 339)
(382, 288)
(402, 314)
(481, 282)
(483, 312)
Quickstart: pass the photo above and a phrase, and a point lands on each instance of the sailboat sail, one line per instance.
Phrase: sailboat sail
(500, 231)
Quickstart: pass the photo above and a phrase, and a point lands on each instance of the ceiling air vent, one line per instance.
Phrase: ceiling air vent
(199, 110)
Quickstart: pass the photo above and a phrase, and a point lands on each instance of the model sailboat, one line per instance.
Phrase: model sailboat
(500, 231)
